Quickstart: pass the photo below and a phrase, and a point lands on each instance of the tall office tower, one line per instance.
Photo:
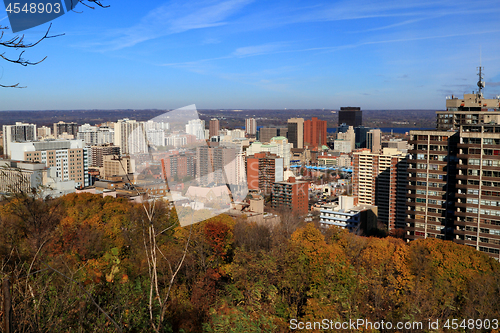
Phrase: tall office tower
(62, 127)
(267, 133)
(69, 157)
(95, 135)
(351, 116)
(291, 195)
(314, 133)
(250, 126)
(17, 133)
(431, 186)
(380, 180)
(374, 140)
(296, 132)
(130, 136)
(196, 127)
(43, 132)
(263, 169)
(98, 153)
(213, 129)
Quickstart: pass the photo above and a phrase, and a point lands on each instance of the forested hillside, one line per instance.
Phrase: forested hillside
(83, 263)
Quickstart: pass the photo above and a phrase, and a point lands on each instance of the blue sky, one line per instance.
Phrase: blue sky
(235, 54)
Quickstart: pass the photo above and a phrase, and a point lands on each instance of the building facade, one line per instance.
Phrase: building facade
(291, 195)
(267, 133)
(213, 129)
(264, 169)
(69, 158)
(314, 133)
(17, 133)
(351, 116)
(250, 126)
(296, 132)
(380, 180)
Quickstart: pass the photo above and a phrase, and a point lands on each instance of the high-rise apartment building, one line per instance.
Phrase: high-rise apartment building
(196, 127)
(44, 132)
(95, 135)
(213, 129)
(17, 133)
(264, 169)
(62, 127)
(351, 116)
(380, 180)
(296, 132)
(250, 126)
(314, 133)
(291, 195)
(431, 184)
(218, 165)
(130, 136)
(455, 175)
(477, 213)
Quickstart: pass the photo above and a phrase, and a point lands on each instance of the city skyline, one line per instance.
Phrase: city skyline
(249, 54)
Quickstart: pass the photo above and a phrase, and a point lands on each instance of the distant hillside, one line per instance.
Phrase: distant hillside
(229, 118)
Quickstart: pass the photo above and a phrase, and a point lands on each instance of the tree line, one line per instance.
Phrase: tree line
(84, 263)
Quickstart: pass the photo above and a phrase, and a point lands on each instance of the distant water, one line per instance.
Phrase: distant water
(400, 130)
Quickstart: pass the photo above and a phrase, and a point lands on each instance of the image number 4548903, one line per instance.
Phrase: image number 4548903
(26, 14)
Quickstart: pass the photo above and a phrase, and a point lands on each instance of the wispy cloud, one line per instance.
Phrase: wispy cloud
(258, 49)
(173, 18)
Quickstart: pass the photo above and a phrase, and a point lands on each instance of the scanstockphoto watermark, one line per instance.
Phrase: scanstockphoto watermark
(408, 326)
(357, 324)
(170, 158)
(26, 14)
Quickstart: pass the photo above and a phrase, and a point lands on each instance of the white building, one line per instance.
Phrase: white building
(349, 136)
(69, 158)
(196, 127)
(44, 132)
(17, 133)
(176, 140)
(95, 135)
(342, 146)
(348, 215)
(130, 136)
(156, 137)
(279, 146)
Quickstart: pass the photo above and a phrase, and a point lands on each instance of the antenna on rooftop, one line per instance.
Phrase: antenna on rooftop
(480, 83)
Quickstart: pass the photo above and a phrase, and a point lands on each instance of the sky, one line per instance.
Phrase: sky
(243, 54)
